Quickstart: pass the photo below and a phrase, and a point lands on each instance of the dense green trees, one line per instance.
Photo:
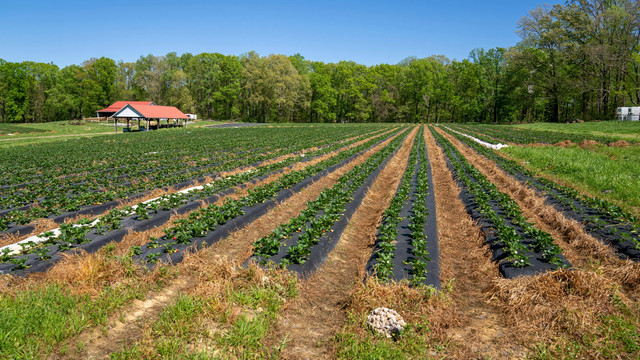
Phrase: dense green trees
(578, 60)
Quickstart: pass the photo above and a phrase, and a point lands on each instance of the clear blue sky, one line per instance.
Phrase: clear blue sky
(368, 32)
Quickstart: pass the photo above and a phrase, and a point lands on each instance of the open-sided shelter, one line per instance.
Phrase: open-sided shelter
(148, 112)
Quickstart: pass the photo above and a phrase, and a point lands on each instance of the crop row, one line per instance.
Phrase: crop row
(304, 242)
(402, 245)
(600, 218)
(526, 249)
(112, 226)
(94, 194)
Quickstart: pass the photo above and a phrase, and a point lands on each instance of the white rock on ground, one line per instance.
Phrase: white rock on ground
(386, 321)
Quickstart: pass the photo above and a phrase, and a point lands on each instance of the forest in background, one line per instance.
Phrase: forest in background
(577, 60)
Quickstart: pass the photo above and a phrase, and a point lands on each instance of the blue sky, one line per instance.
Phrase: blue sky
(368, 32)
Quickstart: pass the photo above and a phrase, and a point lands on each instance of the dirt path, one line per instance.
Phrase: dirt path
(581, 249)
(127, 325)
(465, 260)
(121, 330)
(318, 313)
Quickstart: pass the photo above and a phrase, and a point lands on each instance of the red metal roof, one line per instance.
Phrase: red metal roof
(120, 104)
(153, 111)
(159, 112)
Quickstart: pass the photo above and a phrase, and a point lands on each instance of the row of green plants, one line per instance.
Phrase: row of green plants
(70, 193)
(599, 213)
(388, 230)
(205, 220)
(46, 161)
(492, 204)
(320, 214)
(74, 234)
(418, 219)
(387, 239)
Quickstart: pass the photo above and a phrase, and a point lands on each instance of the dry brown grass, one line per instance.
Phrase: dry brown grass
(8, 239)
(564, 144)
(563, 301)
(85, 274)
(415, 305)
(465, 263)
(620, 143)
(588, 144)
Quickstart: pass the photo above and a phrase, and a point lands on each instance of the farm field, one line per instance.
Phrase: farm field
(277, 241)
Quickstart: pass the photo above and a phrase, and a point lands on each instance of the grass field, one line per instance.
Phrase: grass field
(18, 129)
(620, 130)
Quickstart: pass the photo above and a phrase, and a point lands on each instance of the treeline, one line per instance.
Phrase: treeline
(578, 60)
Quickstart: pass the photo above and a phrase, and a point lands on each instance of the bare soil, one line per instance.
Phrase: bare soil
(126, 326)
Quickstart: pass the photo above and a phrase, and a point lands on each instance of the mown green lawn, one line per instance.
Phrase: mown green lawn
(607, 172)
(621, 130)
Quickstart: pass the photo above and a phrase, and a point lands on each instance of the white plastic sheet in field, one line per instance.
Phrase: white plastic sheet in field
(497, 146)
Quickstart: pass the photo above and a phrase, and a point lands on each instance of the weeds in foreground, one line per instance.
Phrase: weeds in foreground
(38, 317)
(227, 315)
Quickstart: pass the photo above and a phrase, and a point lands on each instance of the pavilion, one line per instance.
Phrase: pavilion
(147, 111)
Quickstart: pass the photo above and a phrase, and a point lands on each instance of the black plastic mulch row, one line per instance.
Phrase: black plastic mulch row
(506, 268)
(327, 242)
(102, 208)
(251, 213)
(404, 249)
